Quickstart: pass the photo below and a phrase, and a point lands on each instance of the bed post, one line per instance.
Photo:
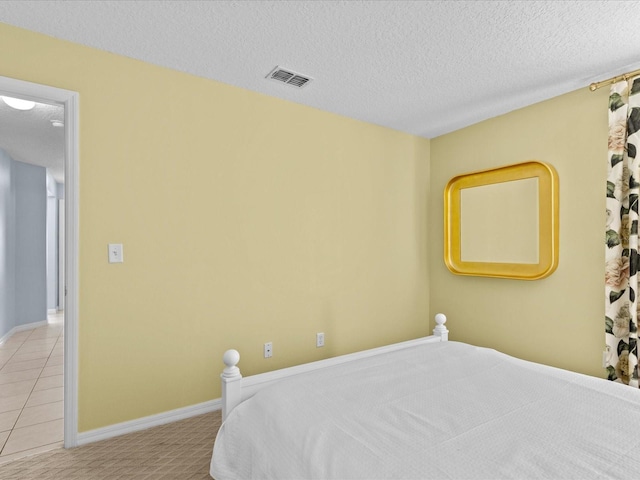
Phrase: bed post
(440, 329)
(231, 384)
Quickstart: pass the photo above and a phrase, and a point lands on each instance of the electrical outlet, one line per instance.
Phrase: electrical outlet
(268, 350)
(319, 339)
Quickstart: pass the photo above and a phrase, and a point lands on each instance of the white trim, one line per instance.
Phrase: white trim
(20, 328)
(148, 422)
(71, 268)
(61, 250)
(68, 99)
(52, 311)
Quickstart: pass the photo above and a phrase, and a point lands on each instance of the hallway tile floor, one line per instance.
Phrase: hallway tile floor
(32, 391)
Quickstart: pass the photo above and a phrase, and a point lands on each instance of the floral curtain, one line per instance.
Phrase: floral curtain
(622, 260)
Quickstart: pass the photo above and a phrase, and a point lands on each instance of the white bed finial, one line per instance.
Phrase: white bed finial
(231, 359)
(231, 387)
(440, 329)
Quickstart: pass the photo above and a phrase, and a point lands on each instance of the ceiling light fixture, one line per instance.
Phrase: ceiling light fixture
(57, 123)
(18, 103)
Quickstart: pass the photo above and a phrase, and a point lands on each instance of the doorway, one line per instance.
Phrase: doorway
(69, 100)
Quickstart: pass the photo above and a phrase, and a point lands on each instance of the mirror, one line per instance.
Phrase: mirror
(503, 222)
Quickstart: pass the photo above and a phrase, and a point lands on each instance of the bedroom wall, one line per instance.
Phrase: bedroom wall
(557, 320)
(244, 219)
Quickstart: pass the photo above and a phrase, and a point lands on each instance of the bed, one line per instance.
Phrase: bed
(425, 409)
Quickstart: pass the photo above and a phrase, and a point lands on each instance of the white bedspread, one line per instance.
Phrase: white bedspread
(440, 411)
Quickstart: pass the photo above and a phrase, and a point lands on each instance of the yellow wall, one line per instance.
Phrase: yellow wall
(248, 219)
(557, 320)
(244, 219)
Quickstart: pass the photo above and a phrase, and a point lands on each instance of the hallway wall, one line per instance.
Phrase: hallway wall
(53, 191)
(23, 213)
(7, 261)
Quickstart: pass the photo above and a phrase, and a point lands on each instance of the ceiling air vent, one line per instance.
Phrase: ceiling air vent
(289, 77)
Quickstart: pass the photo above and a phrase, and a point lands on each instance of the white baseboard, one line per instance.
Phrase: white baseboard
(52, 311)
(20, 328)
(148, 422)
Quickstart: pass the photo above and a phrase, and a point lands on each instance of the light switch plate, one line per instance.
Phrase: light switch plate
(115, 253)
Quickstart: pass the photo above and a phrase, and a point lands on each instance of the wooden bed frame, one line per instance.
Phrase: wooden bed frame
(236, 388)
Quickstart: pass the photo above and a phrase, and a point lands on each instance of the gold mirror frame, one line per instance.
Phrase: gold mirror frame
(548, 228)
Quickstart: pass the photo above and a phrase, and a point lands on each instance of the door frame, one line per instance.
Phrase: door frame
(70, 101)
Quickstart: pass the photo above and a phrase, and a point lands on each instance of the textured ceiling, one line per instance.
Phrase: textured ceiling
(422, 67)
(28, 136)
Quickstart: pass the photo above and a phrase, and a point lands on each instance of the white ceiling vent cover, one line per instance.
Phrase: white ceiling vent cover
(289, 77)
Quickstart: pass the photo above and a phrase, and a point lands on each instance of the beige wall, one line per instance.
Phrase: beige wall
(248, 219)
(557, 320)
(244, 219)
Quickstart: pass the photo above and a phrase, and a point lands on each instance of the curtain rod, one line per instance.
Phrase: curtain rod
(625, 76)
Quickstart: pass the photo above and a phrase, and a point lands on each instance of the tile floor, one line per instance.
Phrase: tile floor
(32, 391)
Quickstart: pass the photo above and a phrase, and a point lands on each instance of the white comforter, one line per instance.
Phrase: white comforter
(440, 411)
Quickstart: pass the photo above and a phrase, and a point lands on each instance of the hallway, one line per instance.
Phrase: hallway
(32, 391)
